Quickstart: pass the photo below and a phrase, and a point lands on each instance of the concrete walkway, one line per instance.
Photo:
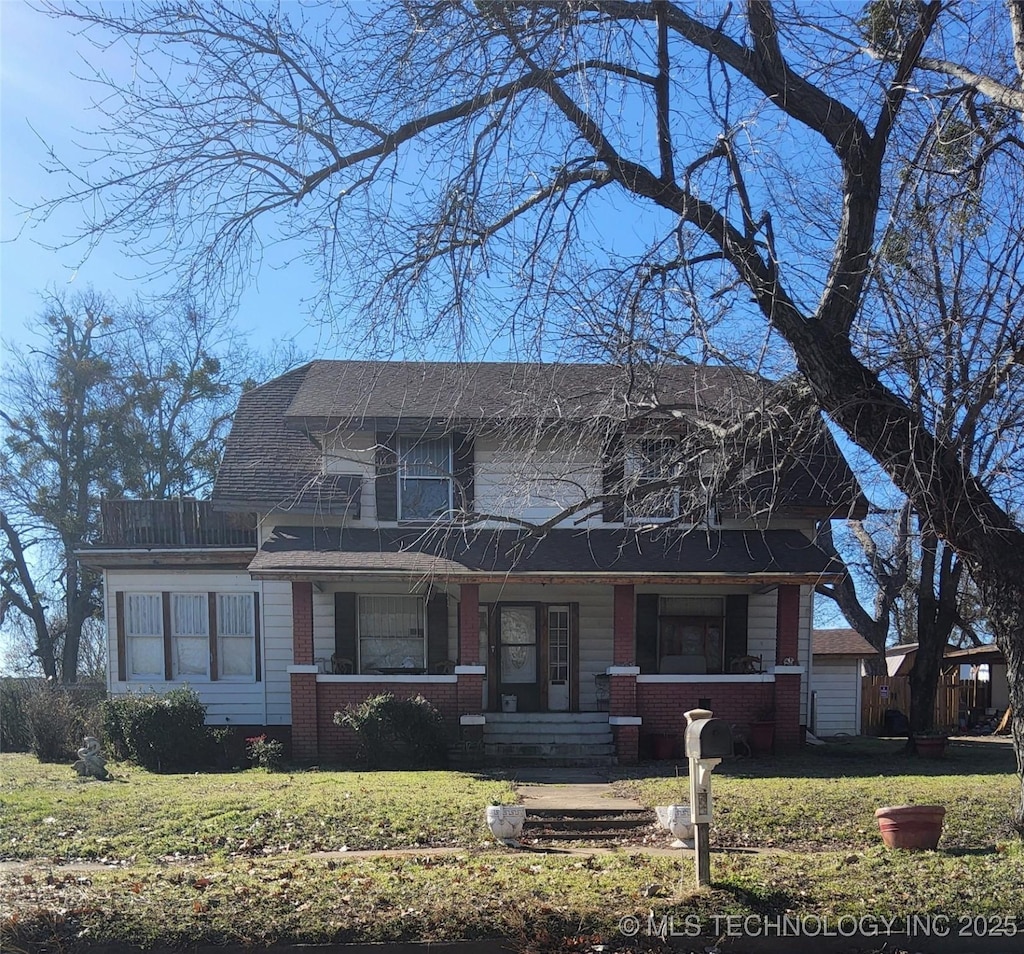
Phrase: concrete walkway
(566, 789)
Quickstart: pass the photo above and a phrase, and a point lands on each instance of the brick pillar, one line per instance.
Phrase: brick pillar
(622, 695)
(787, 711)
(305, 735)
(469, 624)
(627, 743)
(787, 624)
(470, 693)
(622, 684)
(302, 624)
(624, 626)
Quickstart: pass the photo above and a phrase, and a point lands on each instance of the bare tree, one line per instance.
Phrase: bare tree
(106, 403)
(443, 161)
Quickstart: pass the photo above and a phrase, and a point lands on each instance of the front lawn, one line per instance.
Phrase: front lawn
(215, 859)
(825, 798)
(48, 812)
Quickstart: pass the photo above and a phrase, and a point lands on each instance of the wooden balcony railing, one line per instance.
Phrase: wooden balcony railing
(179, 522)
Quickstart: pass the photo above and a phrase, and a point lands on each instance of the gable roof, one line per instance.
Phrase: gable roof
(840, 642)
(273, 459)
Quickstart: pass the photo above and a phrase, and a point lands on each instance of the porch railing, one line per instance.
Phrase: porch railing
(178, 522)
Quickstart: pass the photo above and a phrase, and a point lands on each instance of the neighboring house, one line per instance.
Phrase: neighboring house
(967, 663)
(899, 659)
(836, 682)
(372, 528)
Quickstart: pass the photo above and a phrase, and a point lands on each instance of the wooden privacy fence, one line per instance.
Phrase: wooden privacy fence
(879, 693)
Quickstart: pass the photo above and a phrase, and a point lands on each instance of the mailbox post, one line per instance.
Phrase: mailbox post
(708, 741)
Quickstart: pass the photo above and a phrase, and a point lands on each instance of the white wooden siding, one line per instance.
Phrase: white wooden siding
(535, 482)
(277, 650)
(227, 702)
(837, 689)
(354, 452)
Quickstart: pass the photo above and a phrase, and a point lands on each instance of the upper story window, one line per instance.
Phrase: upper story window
(652, 462)
(424, 477)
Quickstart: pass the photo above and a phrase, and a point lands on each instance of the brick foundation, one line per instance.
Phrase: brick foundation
(305, 737)
(661, 705)
(627, 743)
(337, 744)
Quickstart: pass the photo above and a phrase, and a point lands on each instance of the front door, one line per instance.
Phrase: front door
(520, 667)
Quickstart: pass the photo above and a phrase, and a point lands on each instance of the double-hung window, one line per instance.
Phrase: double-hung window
(144, 635)
(424, 477)
(392, 633)
(236, 637)
(190, 635)
(652, 462)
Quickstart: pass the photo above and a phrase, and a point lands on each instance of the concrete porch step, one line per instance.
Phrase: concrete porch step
(570, 730)
(576, 718)
(586, 824)
(541, 749)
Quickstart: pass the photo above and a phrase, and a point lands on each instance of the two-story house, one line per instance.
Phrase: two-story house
(528, 546)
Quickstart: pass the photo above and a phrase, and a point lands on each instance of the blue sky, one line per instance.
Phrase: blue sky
(42, 103)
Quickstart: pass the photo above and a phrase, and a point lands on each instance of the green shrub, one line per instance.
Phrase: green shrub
(164, 733)
(15, 731)
(397, 733)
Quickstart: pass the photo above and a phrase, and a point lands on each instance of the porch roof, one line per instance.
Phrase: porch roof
(738, 556)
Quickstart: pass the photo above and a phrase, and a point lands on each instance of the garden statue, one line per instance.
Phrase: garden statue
(90, 762)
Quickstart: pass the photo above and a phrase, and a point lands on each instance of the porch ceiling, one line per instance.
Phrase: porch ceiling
(740, 556)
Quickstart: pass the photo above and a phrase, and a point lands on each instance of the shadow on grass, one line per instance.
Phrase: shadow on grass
(857, 757)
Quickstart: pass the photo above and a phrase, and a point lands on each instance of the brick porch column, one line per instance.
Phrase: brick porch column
(787, 625)
(302, 675)
(469, 624)
(622, 715)
(469, 691)
(788, 672)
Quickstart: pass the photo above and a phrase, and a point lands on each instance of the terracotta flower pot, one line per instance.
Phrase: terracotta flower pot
(911, 826)
(664, 746)
(931, 746)
(762, 737)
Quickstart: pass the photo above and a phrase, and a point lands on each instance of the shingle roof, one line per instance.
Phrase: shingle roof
(272, 459)
(340, 390)
(840, 642)
(269, 466)
(730, 552)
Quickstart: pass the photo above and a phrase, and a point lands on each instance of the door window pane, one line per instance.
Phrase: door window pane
(518, 644)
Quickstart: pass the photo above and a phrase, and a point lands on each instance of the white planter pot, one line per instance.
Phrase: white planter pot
(506, 822)
(676, 818)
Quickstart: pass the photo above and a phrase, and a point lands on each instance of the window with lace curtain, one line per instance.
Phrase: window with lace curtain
(424, 477)
(144, 635)
(236, 640)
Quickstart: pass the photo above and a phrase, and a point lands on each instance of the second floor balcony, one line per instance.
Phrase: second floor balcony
(177, 522)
